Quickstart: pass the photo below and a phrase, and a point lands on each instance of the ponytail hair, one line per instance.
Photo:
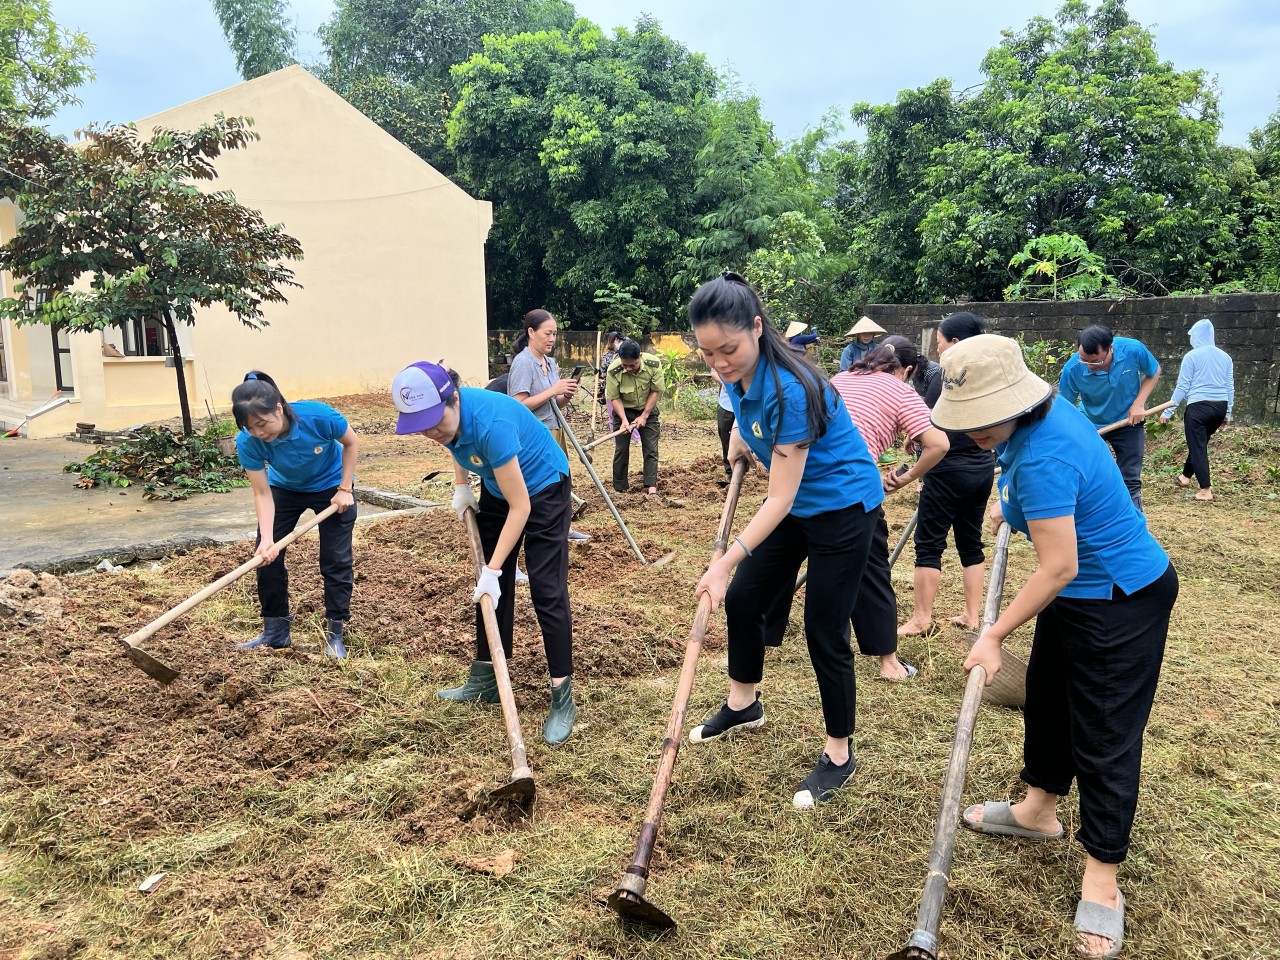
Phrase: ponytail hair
(731, 301)
(532, 321)
(258, 396)
(909, 358)
(879, 359)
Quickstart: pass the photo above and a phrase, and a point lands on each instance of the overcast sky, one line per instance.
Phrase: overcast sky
(802, 58)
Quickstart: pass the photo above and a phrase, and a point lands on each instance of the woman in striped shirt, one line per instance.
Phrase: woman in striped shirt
(883, 407)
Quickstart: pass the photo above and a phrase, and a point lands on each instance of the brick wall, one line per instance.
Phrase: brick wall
(1247, 326)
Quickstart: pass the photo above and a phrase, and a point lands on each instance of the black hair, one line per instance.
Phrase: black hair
(962, 326)
(1095, 339)
(1038, 412)
(258, 395)
(629, 350)
(731, 301)
(909, 358)
(612, 336)
(532, 321)
(880, 359)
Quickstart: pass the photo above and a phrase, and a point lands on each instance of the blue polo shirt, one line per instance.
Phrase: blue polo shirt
(306, 459)
(1105, 396)
(1060, 467)
(838, 472)
(494, 428)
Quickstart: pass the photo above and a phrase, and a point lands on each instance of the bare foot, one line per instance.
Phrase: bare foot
(1204, 495)
(914, 627)
(964, 623)
(1183, 481)
(894, 669)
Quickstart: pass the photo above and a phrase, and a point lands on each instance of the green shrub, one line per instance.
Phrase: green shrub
(168, 465)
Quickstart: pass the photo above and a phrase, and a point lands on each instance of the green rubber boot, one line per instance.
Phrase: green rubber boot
(481, 685)
(560, 720)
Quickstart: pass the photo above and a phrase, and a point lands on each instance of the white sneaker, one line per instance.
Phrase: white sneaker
(521, 576)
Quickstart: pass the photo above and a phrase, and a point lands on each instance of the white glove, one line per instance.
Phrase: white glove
(463, 498)
(488, 584)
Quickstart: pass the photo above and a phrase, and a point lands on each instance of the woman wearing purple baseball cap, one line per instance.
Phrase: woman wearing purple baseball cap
(524, 497)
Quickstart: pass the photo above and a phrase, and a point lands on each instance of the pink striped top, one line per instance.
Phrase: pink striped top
(882, 407)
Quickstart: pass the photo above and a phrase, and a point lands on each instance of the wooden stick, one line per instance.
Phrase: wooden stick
(608, 436)
(515, 737)
(925, 936)
(586, 462)
(1125, 422)
(637, 871)
(165, 619)
(595, 406)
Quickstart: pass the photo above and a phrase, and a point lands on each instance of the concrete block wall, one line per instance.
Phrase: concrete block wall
(1246, 325)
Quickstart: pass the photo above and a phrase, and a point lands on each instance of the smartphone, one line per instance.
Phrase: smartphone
(577, 372)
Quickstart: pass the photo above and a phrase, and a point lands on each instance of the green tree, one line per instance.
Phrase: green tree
(40, 63)
(1079, 128)
(259, 34)
(1058, 266)
(123, 213)
(391, 59)
(586, 144)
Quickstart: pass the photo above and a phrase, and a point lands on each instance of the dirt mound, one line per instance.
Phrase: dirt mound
(28, 598)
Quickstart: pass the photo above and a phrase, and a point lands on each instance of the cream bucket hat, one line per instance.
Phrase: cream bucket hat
(984, 382)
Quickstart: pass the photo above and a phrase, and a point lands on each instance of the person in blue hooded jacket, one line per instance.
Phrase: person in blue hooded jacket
(1206, 381)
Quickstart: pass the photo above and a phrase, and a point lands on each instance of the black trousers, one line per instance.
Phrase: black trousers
(758, 603)
(1128, 444)
(1091, 681)
(335, 554)
(875, 615)
(546, 557)
(954, 500)
(649, 435)
(724, 426)
(1201, 421)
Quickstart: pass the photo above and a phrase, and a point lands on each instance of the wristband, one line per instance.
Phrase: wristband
(347, 489)
(740, 542)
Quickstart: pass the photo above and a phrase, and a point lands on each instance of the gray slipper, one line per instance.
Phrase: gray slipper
(1101, 921)
(998, 819)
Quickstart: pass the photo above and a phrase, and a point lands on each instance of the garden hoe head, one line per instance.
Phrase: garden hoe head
(149, 664)
(628, 902)
(520, 790)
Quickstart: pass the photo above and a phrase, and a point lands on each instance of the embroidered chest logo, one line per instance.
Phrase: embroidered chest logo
(476, 461)
(952, 383)
(755, 428)
(319, 450)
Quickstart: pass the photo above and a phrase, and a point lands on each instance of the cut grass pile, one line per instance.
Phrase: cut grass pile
(305, 810)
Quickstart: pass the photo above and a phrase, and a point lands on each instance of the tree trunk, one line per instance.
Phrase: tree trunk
(172, 331)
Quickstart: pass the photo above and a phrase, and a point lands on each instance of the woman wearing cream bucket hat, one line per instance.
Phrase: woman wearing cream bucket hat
(1101, 595)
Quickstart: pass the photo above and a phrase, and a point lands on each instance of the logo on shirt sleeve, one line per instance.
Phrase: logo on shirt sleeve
(1004, 495)
(476, 461)
(319, 450)
(755, 428)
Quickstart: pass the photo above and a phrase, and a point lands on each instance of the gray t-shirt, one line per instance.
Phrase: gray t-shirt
(526, 376)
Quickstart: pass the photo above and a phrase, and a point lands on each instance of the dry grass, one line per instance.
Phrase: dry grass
(365, 855)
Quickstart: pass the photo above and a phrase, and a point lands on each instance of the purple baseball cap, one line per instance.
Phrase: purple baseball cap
(420, 392)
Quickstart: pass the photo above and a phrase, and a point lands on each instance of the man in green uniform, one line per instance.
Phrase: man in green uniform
(632, 387)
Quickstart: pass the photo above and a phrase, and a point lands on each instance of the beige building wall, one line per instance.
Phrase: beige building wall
(393, 267)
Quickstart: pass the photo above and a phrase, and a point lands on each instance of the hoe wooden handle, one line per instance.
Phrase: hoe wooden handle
(221, 583)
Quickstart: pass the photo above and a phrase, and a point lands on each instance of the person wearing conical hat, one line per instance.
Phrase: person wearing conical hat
(863, 332)
(1101, 595)
(797, 337)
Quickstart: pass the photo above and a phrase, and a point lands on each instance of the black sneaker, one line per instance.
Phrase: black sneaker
(821, 785)
(725, 720)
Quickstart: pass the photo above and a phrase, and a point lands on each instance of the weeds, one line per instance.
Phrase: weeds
(168, 465)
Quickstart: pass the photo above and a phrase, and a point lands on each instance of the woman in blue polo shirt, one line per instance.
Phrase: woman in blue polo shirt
(524, 497)
(1101, 594)
(823, 491)
(299, 456)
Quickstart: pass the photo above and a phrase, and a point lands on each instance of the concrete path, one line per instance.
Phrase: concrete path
(44, 518)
